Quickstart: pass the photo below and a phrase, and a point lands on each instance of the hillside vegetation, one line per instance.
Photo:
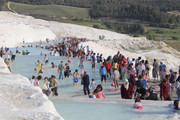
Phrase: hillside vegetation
(162, 5)
(155, 19)
(51, 11)
(1, 4)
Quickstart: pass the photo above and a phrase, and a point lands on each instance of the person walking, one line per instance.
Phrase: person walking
(102, 73)
(75, 78)
(61, 70)
(46, 59)
(140, 68)
(162, 67)
(147, 69)
(66, 70)
(86, 83)
(155, 70)
(38, 65)
(116, 77)
(81, 67)
(164, 89)
(107, 65)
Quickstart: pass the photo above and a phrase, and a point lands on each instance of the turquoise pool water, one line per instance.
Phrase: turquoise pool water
(88, 111)
(33, 51)
(25, 65)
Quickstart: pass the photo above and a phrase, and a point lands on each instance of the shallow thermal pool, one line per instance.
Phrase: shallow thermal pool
(91, 111)
(25, 65)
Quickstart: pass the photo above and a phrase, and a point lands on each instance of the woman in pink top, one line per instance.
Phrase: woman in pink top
(98, 92)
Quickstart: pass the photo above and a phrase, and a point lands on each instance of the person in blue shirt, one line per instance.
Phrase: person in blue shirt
(102, 73)
(162, 66)
(161, 70)
(129, 61)
(140, 86)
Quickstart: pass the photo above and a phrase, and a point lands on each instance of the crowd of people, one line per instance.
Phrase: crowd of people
(134, 74)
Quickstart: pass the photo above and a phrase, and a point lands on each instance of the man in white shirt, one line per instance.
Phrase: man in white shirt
(140, 68)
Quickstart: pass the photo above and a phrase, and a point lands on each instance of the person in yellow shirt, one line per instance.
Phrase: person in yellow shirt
(115, 65)
(38, 64)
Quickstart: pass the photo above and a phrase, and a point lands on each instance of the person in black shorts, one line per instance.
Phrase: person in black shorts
(102, 73)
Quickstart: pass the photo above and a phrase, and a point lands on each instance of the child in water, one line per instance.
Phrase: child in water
(93, 85)
(36, 81)
(175, 108)
(32, 80)
(53, 65)
(138, 104)
(98, 92)
(175, 105)
(75, 76)
(38, 64)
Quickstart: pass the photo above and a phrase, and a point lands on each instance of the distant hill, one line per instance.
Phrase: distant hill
(162, 5)
(155, 19)
(153, 11)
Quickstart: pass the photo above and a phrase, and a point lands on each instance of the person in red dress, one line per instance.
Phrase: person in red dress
(126, 90)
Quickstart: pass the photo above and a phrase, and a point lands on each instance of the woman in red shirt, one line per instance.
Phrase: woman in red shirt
(108, 67)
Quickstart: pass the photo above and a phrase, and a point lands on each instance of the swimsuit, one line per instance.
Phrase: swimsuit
(75, 80)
